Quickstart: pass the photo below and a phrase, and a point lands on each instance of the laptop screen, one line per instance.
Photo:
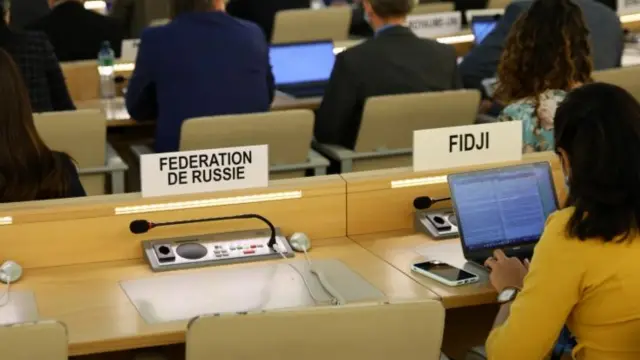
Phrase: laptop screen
(481, 26)
(302, 63)
(503, 207)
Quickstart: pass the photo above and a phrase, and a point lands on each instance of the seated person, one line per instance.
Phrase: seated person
(395, 61)
(551, 41)
(606, 38)
(77, 33)
(25, 12)
(203, 63)
(29, 170)
(39, 66)
(584, 271)
(263, 12)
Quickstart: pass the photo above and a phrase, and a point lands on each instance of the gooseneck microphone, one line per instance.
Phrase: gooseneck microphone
(143, 226)
(425, 202)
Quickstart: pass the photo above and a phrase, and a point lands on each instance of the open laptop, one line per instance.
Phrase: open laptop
(504, 208)
(302, 69)
(483, 25)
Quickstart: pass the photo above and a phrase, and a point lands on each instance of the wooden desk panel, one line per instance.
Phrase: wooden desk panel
(399, 249)
(100, 318)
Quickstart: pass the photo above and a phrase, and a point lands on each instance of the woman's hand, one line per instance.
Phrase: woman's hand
(506, 271)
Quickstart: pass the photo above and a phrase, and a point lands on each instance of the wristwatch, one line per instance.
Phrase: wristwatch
(508, 294)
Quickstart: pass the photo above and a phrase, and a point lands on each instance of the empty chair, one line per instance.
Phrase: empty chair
(82, 79)
(299, 25)
(626, 78)
(29, 341)
(432, 8)
(361, 331)
(83, 135)
(385, 138)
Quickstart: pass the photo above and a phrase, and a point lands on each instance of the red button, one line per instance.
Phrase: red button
(253, 246)
(249, 251)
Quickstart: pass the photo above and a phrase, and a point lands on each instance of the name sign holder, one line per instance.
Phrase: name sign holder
(458, 146)
(628, 6)
(130, 50)
(434, 25)
(200, 171)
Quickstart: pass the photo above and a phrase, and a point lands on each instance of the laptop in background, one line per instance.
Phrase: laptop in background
(504, 208)
(483, 25)
(302, 69)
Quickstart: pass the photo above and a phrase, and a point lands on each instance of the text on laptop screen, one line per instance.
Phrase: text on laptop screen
(301, 63)
(482, 28)
(501, 207)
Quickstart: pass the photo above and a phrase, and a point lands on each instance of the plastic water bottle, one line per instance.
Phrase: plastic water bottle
(106, 61)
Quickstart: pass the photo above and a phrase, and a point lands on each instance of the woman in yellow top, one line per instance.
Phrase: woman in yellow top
(585, 271)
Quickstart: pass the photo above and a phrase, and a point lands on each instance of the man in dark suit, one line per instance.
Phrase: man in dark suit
(77, 33)
(607, 41)
(263, 12)
(203, 63)
(395, 61)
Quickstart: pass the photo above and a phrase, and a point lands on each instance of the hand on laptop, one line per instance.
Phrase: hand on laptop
(506, 271)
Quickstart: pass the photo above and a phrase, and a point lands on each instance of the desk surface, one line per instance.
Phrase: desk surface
(400, 249)
(100, 318)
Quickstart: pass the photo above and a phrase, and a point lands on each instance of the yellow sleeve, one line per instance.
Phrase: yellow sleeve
(550, 291)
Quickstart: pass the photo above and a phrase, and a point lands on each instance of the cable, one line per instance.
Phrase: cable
(336, 298)
(304, 280)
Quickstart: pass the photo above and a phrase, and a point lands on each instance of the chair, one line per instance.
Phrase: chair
(385, 139)
(498, 4)
(83, 135)
(626, 78)
(433, 8)
(288, 134)
(29, 341)
(360, 331)
(300, 25)
(82, 79)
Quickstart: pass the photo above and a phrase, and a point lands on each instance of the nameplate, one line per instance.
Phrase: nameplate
(471, 13)
(451, 147)
(434, 25)
(200, 171)
(628, 6)
(130, 50)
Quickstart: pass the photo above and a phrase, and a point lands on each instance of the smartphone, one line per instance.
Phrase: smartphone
(445, 273)
(490, 86)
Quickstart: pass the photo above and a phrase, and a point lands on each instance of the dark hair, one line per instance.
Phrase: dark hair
(29, 170)
(179, 7)
(547, 48)
(598, 126)
(392, 8)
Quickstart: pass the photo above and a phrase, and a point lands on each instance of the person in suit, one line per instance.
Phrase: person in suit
(25, 12)
(263, 12)
(394, 61)
(136, 15)
(29, 170)
(77, 33)
(222, 69)
(607, 41)
(39, 66)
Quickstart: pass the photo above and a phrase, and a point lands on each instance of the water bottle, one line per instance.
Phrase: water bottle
(106, 61)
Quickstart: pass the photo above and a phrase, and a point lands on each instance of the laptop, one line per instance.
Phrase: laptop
(483, 25)
(302, 69)
(504, 208)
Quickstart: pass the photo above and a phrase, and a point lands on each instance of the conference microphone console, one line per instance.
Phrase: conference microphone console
(437, 223)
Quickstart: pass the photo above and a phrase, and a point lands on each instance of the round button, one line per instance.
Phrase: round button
(438, 220)
(191, 251)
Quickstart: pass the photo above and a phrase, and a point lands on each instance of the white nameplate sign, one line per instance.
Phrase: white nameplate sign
(434, 25)
(628, 6)
(130, 50)
(190, 172)
(451, 147)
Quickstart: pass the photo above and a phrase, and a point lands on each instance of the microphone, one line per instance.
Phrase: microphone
(143, 226)
(425, 202)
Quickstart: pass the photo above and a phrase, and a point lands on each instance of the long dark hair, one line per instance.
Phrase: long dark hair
(29, 170)
(598, 127)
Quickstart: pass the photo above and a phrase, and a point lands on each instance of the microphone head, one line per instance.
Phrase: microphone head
(422, 202)
(140, 226)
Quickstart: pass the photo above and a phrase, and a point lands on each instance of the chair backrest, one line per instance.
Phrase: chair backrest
(388, 122)
(498, 4)
(82, 79)
(626, 78)
(83, 135)
(288, 134)
(433, 8)
(359, 331)
(299, 25)
(29, 341)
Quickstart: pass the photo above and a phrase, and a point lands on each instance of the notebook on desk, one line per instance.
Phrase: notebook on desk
(504, 208)
(302, 69)
(483, 25)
